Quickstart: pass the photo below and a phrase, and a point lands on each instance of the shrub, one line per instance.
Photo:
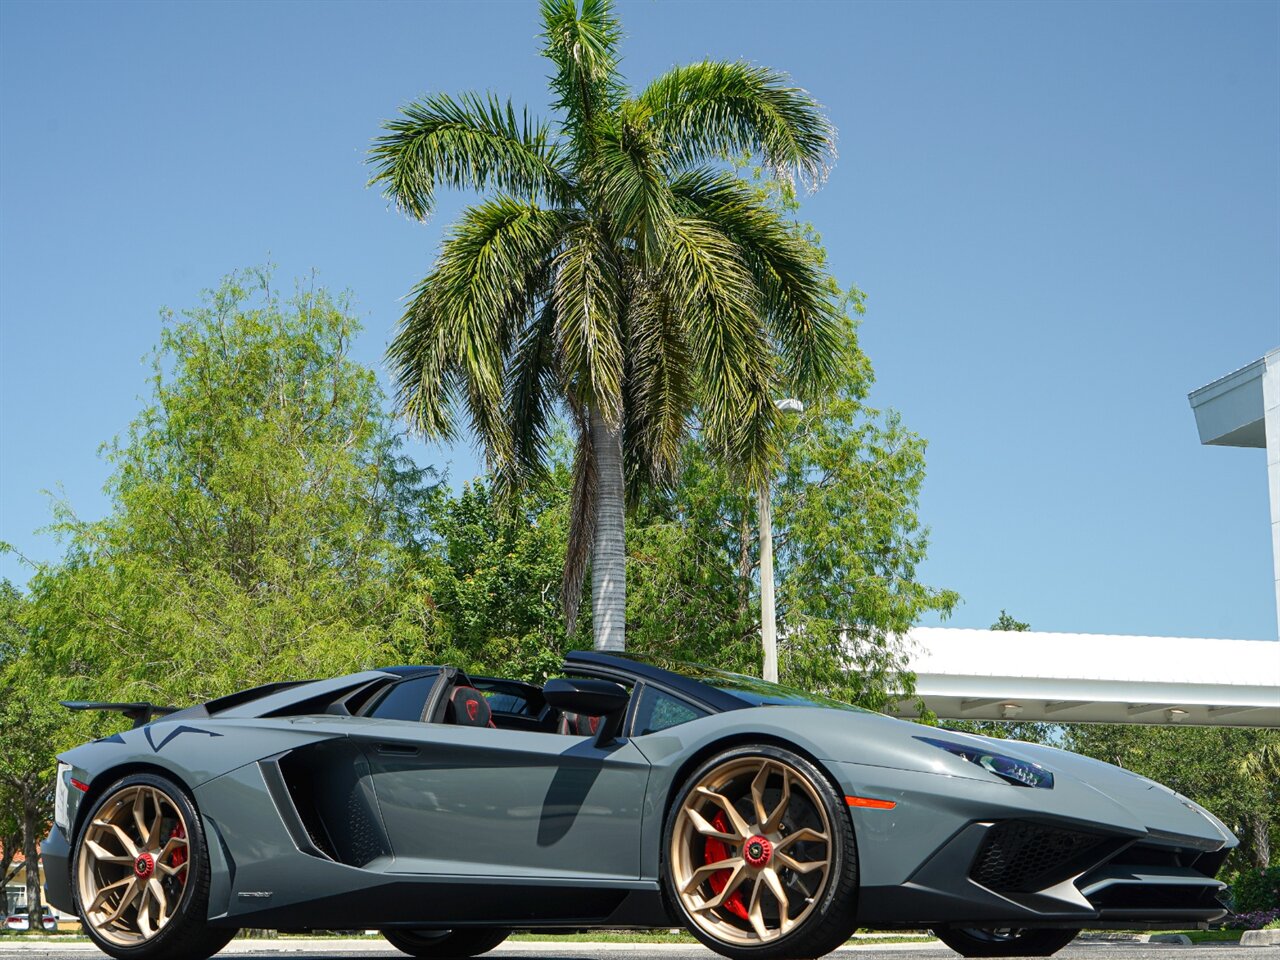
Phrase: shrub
(1257, 920)
(1256, 889)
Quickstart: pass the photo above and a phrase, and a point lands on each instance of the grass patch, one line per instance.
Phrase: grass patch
(1211, 936)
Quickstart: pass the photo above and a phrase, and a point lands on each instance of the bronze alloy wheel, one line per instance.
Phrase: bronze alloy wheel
(134, 864)
(751, 849)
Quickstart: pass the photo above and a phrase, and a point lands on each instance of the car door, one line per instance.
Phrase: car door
(479, 801)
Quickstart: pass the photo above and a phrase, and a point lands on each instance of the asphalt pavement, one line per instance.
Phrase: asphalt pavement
(380, 950)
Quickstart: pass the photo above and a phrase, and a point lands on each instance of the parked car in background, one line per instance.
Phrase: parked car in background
(20, 921)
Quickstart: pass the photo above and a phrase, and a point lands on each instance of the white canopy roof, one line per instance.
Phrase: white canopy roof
(1074, 677)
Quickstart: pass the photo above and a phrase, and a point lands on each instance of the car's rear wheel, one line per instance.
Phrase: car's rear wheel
(446, 944)
(1004, 941)
(141, 874)
(760, 857)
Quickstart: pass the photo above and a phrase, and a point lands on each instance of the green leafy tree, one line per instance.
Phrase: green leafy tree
(10, 804)
(493, 572)
(28, 723)
(10, 844)
(849, 540)
(262, 523)
(1006, 622)
(618, 268)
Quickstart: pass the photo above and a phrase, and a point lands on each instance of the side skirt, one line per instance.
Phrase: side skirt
(452, 902)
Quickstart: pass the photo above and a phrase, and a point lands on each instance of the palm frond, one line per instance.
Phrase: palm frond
(458, 331)
(587, 293)
(629, 181)
(531, 399)
(659, 390)
(752, 446)
(424, 367)
(797, 302)
(582, 524)
(705, 110)
(583, 45)
(469, 142)
(710, 285)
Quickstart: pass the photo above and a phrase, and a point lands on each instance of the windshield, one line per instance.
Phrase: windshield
(752, 690)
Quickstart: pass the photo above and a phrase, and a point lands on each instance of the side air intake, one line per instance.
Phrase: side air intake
(328, 803)
(1023, 857)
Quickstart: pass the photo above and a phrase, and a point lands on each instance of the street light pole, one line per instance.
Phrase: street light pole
(768, 625)
(768, 618)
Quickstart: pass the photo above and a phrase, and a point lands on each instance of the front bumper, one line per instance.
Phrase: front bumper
(55, 855)
(956, 851)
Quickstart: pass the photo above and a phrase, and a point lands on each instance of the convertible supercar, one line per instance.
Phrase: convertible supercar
(447, 810)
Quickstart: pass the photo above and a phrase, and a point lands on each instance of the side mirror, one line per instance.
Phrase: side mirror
(595, 698)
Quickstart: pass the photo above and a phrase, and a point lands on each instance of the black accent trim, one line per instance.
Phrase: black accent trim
(1175, 917)
(334, 702)
(173, 735)
(450, 902)
(325, 799)
(140, 712)
(241, 697)
(306, 837)
(1021, 856)
(407, 673)
(437, 702)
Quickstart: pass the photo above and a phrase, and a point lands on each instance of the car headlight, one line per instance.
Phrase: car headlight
(1021, 773)
(60, 797)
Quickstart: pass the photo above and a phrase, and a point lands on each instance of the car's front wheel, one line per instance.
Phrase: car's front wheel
(1004, 941)
(760, 856)
(446, 944)
(141, 874)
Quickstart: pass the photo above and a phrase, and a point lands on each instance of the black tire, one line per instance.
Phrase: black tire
(186, 935)
(446, 944)
(832, 919)
(1000, 942)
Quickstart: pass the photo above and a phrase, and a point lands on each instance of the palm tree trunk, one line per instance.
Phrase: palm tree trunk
(609, 549)
(1260, 830)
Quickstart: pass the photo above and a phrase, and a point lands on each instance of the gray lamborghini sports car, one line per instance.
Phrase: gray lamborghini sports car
(447, 810)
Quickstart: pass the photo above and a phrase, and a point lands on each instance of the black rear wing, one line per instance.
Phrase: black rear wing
(140, 713)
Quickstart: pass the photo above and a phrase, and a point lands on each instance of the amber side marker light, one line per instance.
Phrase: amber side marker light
(870, 803)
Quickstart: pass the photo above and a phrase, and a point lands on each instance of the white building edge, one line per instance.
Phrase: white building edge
(1093, 678)
(1090, 678)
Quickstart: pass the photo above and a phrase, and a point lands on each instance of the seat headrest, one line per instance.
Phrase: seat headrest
(580, 724)
(468, 708)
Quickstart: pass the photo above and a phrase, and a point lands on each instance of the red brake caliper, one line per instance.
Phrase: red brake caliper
(179, 856)
(714, 852)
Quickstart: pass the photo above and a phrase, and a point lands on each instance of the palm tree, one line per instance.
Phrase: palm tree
(617, 271)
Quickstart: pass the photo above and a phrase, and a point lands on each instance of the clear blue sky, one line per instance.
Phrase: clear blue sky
(1065, 217)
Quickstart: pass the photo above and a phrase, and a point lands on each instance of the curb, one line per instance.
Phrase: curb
(1260, 938)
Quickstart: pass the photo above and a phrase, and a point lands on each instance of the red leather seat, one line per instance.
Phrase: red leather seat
(468, 708)
(578, 724)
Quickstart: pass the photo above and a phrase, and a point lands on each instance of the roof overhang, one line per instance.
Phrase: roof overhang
(1230, 412)
(1091, 678)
